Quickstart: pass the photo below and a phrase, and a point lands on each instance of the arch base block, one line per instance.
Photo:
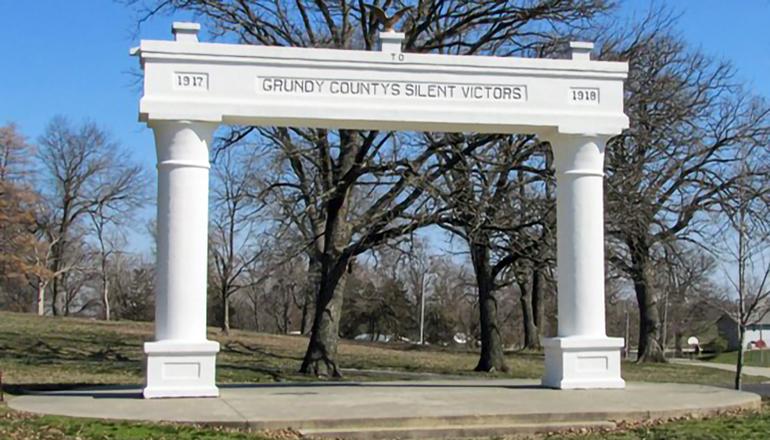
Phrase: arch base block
(582, 363)
(180, 369)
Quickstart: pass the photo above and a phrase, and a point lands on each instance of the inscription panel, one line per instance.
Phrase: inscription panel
(583, 96)
(592, 364)
(181, 370)
(398, 89)
(191, 81)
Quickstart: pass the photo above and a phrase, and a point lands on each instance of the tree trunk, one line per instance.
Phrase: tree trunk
(538, 299)
(678, 336)
(68, 298)
(41, 298)
(106, 298)
(739, 362)
(531, 339)
(256, 313)
(54, 296)
(527, 285)
(320, 357)
(303, 319)
(285, 315)
(649, 349)
(225, 313)
(492, 356)
(313, 276)
(57, 252)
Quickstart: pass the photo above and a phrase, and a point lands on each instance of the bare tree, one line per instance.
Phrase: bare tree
(84, 169)
(281, 292)
(745, 240)
(452, 306)
(416, 269)
(688, 116)
(234, 233)
(685, 275)
(486, 190)
(132, 281)
(111, 214)
(325, 169)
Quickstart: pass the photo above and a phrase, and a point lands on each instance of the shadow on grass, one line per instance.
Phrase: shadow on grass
(275, 373)
(44, 352)
(231, 347)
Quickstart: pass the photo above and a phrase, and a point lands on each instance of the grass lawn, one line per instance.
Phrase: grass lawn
(37, 351)
(44, 352)
(754, 358)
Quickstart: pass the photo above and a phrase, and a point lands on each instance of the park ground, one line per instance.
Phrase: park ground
(57, 353)
(754, 358)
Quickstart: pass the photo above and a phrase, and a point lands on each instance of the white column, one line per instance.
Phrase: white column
(581, 356)
(181, 361)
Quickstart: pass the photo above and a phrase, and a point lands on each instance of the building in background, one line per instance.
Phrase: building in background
(755, 337)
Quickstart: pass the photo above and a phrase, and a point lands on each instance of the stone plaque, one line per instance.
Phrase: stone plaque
(191, 81)
(583, 96)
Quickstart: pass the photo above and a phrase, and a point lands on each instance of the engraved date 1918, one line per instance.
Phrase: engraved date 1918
(191, 81)
(580, 95)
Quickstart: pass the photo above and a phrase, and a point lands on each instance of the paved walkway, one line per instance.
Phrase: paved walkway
(751, 371)
(399, 409)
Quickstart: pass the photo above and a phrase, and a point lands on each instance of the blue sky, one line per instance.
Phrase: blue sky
(71, 58)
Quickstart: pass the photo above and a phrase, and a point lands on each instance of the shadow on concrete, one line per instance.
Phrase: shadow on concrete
(85, 390)
(415, 385)
(289, 388)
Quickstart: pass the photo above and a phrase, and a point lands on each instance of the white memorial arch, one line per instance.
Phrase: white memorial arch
(191, 87)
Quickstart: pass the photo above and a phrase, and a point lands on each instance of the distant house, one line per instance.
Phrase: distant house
(728, 329)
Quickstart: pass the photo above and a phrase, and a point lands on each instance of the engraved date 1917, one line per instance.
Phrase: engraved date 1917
(191, 81)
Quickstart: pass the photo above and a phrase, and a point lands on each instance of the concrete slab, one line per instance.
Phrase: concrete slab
(400, 409)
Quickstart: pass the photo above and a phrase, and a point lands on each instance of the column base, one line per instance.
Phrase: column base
(582, 363)
(180, 369)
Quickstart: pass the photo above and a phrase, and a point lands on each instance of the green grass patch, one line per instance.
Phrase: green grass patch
(753, 358)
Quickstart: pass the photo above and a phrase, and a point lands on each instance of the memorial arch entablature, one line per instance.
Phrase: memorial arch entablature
(190, 88)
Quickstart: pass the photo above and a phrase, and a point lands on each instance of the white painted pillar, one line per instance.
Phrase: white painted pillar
(181, 362)
(581, 356)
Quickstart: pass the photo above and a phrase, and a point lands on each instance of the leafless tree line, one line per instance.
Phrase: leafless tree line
(318, 231)
(75, 195)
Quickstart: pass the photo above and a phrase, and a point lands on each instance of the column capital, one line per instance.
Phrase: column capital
(578, 154)
(183, 143)
(179, 124)
(557, 137)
